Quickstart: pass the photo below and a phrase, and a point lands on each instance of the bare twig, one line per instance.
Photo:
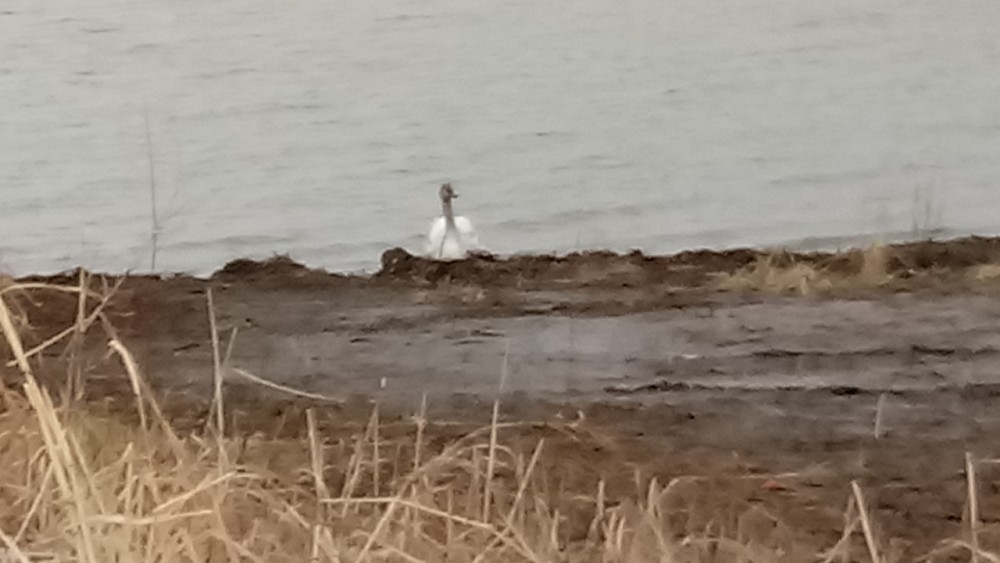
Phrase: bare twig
(154, 233)
(970, 474)
(866, 525)
(879, 408)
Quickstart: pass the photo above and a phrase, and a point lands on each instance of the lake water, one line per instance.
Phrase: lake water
(323, 129)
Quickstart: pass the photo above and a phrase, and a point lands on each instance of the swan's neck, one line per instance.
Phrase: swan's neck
(450, 230)
(449, 214)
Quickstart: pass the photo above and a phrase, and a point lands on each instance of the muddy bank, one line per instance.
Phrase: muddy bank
(913, 316)
(673, 364)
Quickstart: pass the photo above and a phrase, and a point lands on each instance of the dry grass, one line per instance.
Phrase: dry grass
(87, 487)
(782, 273)
(985, 273)
(852, 271)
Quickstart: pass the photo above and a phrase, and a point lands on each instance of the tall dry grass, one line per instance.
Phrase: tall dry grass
(781, 273)
(78, 485)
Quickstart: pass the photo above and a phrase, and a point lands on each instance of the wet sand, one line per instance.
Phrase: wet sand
(664, 369)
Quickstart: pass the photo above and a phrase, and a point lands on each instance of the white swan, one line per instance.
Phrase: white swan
(450, 237)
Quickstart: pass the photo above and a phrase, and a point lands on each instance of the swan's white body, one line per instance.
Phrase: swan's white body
(450, 237)
(445, 244)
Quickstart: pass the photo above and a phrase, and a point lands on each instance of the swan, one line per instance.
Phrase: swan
(450, 237)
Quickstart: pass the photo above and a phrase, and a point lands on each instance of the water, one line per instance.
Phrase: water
(322, 129)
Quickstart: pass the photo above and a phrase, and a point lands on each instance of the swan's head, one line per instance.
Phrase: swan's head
(447, 193)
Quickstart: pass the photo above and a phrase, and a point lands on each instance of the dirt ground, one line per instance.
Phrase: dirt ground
(768, 397)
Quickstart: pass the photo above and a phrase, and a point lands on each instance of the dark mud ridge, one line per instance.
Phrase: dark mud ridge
(692, 268)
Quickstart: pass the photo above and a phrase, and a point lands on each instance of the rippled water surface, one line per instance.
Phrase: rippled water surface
(322, 129)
